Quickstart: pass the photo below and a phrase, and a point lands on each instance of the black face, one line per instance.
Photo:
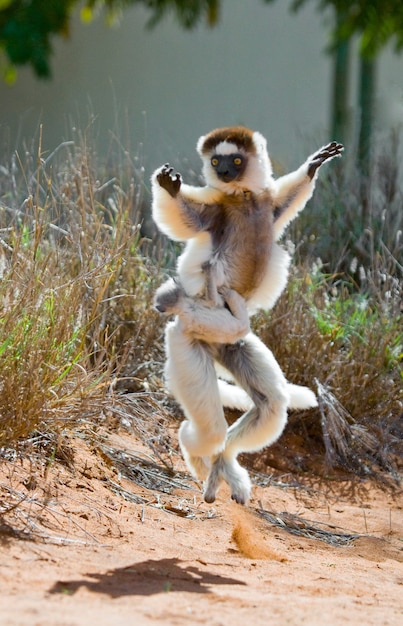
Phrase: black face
(229, 167)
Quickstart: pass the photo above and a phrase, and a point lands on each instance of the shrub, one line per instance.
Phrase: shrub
(77, 329)
(75, 288)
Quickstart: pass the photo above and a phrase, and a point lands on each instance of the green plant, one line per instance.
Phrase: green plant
(354, 224)
(77, 328)
(347, 344)
(75, 288)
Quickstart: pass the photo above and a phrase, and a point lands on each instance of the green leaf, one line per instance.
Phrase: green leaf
(86, 15)
(10, 74)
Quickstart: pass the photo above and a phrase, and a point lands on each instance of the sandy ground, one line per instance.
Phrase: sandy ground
(101, 559)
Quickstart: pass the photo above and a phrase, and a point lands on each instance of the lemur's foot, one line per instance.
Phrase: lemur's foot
(167, 297)
(232, 473)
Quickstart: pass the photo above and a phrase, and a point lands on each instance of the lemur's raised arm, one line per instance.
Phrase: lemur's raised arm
(231, 224)
(230, 227)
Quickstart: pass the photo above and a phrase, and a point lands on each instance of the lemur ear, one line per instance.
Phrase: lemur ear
(199, 144)
(260, 142)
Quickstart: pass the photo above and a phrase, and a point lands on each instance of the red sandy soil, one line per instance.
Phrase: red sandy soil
(99, 559)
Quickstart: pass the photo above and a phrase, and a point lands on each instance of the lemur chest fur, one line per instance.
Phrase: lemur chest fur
(242, 237)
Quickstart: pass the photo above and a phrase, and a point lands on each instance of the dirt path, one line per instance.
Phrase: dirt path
(172, 559)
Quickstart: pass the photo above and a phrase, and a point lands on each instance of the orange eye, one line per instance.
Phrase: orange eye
(214, 161)
(237, 161)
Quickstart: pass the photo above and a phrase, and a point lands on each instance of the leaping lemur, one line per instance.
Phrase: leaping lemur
(231, 226)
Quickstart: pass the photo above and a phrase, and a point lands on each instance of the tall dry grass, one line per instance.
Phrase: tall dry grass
(339, 326)
(354, 223)
(75, 289)
(348, 347)
(77, 329)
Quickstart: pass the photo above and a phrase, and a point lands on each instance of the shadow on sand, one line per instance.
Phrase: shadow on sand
(145, 579)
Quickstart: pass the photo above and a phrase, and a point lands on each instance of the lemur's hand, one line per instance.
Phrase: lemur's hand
(235, 302)
(169, 181)
(326, 153)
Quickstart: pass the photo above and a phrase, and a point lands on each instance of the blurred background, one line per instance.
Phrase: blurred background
(93, 100)
(158, 89)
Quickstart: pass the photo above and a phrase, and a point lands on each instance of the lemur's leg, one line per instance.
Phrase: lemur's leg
(213, 325)
(212, 296)
(255, 369)
(192, 379)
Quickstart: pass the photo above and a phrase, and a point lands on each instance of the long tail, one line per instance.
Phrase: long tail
(301, 397)
(233, 397)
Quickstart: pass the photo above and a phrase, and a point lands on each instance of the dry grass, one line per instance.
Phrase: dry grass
(355, 224)
(296, 525)
(80, 345)
(348, 346)
(75, 289)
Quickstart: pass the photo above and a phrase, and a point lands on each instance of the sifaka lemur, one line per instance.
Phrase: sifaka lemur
(231, 266)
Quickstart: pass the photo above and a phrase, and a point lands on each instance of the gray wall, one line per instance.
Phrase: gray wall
(159, 90)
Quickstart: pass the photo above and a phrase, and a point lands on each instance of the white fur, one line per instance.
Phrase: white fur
(274, 281)
(301, 397)
(189, 264)
(260, 426)
(226, 147)
(200, 337)
(233, 397)
(213, 325)
(270, 381)
(257, 176)
(209, 449)
(292, 191)
(189, 371)
(300, 187)
(166, 211)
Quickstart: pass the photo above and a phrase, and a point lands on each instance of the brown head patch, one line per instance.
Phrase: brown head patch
(239, 135)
